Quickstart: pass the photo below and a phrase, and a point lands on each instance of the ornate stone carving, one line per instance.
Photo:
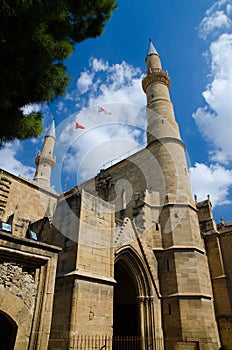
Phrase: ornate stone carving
(156, 76)
(103, 184)
(40, 159)
(138, 202)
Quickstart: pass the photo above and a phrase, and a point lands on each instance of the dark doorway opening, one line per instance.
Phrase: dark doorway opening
(125, 303)
(8, 331)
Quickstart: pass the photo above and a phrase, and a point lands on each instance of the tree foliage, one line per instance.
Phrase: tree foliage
(35, 37)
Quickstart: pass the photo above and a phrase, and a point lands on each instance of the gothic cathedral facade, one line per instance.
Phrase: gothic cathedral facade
(152, 267)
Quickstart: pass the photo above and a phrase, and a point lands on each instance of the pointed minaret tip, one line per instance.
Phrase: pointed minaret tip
(51, 131)
(151, 49)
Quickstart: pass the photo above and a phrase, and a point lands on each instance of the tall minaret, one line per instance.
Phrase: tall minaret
(45, 160)
(187, 300)
(156, 85)
(163, 134)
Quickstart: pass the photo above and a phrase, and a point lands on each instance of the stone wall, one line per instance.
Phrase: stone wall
(83, 301)
(218, 245)
(27, 279)
(19, 281)
(219, 248)
(22, 201)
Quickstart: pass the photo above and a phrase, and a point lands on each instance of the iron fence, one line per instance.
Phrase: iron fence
(108, 342)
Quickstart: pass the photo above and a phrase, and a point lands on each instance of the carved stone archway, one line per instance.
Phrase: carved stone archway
(14, 309)
(133, 294)
(8, 331)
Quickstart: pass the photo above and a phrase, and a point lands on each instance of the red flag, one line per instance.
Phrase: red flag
(79, 126)
(101, 109)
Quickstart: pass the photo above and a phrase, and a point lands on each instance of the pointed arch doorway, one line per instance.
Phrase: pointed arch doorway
(126, 313)
(8, 331)
(133, 316)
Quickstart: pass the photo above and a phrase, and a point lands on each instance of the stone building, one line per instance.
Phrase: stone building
(127, 255)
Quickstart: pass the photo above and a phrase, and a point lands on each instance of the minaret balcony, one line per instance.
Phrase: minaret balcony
(48, 160)
(37, 158)
(156, 75)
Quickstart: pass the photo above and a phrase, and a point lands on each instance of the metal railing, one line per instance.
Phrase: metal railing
(109, 342)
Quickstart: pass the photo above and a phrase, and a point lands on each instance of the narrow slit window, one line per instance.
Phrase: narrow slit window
(169, 309)
(168, 267)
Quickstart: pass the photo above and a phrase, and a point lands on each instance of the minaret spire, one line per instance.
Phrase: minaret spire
(156, 85)
(151, 49)
(162, 129)
(51, 130)
(45, 160)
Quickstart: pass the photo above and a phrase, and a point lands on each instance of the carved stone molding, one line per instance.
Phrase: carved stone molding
(41, 159)
(4, 191)
(145, 299)
(138, 202)
(159, 76)
(103, 184)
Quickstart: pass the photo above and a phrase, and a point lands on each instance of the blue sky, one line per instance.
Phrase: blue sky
(194, 40)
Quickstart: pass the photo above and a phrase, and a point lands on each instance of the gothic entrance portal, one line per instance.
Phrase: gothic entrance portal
(8, 331)
(133, 320)
(126, 314)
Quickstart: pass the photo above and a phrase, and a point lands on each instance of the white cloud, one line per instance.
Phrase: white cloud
(84, 82)
(99, 64)
(214, 180)
(217, 20)
(102, 83)
(214, 120)
(106, 136)
(61, 107)
(31, 107)
(9, 162)
(105, 83)
(229, 9)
